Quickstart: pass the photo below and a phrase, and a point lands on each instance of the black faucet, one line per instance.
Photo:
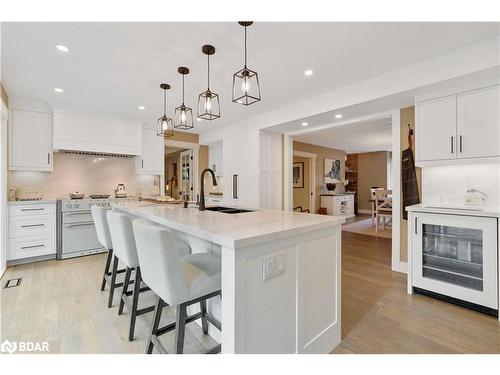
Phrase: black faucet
(201, 205)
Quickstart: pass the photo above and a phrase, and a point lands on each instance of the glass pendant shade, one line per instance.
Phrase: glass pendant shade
(246, 89)
(183, 116)
(208, 101)
(165, 125)
(246, 86)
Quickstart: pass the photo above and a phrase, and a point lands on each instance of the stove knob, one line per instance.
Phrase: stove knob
(77, 205)
(68, 205)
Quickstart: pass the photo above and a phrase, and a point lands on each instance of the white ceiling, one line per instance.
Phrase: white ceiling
(363, 136)
(114, 67)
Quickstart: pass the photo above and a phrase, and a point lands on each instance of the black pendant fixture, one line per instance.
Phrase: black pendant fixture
(183, 116)
(208, 101)
(165, 125)
(246, 89)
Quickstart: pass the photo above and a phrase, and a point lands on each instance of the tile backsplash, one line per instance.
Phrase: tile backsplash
(87, 174)
(447, 185)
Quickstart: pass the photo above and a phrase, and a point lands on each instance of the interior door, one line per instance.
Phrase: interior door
(478, 123)
(456, 256)
(186, 167)
(436, 130)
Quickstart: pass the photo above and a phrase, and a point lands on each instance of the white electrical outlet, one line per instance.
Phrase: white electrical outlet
(273, 265)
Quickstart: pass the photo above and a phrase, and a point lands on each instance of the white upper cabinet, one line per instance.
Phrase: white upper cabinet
(478, 123)
(30, 137)
(436, 129)
(215, 158)
(152, 159)
(464, 125)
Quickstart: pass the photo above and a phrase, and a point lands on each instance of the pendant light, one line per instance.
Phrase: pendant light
(208, 101)
(164, 125)
(246, 89)
(183, 116)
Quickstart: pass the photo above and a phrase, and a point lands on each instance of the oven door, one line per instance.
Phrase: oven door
(456, 256)
(79, 239)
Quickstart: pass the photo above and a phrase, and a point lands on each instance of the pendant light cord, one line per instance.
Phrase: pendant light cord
(208, 72)
(164, 102)
(245, 46)
(182, 89)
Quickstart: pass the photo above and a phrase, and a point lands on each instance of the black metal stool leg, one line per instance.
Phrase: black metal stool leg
(154, 325)
(135, 302)
(106, 269)
(180, 328)
(126, 281)
(204, 320)
(113, 281)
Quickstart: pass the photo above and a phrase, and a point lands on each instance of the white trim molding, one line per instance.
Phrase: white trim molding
(396, 191)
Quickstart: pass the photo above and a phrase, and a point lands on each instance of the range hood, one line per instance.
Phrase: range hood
(93, 153)
(88, 135)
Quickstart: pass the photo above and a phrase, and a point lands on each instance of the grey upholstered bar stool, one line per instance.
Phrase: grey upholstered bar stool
(177, 281)
(104, 237)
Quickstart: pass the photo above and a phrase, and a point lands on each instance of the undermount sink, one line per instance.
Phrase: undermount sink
(227, 210)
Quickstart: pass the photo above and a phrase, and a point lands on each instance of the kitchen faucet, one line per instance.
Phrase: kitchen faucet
(201, 205)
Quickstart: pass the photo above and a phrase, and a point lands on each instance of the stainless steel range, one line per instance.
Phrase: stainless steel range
(76, 234)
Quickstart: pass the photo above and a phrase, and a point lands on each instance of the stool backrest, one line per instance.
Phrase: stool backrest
(101, 226)
(161, 267)
(122, 235)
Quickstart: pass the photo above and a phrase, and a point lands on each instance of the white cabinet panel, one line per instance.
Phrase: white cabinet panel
(36, 225)
(30, 141)
(28, 247)
(436, 129)
(478, 123)
(151, 160)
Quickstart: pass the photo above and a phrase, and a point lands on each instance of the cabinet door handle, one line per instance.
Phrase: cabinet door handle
(142, 163)
(235, 186)
(416, 228)
(32, 209)
(451, 143)
(31, 247)
(48, 158)
(32, 225)
(460, 143)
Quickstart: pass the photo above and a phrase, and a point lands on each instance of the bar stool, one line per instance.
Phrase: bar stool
(177, 281)
(102, 229)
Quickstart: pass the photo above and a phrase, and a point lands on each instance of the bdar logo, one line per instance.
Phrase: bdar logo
(8, 347)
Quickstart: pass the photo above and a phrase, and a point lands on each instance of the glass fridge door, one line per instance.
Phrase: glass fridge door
(453, 255)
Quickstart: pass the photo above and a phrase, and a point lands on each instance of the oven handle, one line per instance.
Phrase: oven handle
(78, 225)
(76, 213)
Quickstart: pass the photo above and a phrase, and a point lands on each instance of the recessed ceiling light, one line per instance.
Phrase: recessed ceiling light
(309, 72)
(338, 115)
(141, 107)
(62, 48)
(305, 124)
(59, 90)
(198, 119)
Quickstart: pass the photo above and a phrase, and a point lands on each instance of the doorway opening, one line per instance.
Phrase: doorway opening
(181, 169)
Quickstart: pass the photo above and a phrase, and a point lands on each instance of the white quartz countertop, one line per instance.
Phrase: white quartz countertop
(456, 210)
(231, 230)
(39, 201)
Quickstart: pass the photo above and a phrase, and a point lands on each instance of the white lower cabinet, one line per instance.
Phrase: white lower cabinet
(32, 231)
(455, 256)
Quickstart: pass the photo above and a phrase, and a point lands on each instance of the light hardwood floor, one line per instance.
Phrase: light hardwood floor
(60, 302)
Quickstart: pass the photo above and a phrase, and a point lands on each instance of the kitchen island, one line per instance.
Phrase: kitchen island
(280, 274)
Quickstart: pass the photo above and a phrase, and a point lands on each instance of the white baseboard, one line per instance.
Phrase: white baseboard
(360, 211)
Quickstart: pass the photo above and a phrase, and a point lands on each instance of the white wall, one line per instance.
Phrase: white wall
(87, 174)
(447, 184)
